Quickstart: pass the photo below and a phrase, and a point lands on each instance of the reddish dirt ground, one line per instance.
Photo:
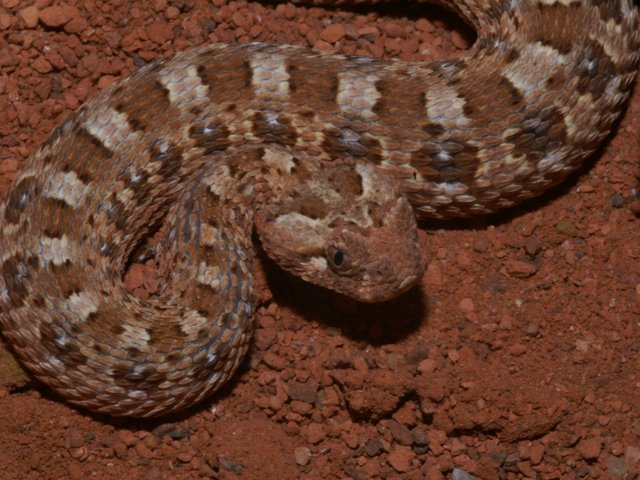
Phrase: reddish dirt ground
(517, 357)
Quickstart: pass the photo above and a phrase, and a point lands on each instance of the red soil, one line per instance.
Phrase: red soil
(517, 358)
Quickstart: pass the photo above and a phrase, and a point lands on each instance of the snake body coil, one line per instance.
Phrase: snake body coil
(329, 158)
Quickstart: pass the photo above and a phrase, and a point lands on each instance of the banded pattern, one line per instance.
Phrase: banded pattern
(329, 158)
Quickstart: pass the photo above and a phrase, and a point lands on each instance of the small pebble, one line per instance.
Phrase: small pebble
(401, 433)
(30, 16)
(400, 459)
(57, 15)
(373, 447)
(333, 33)
(617, 467)
(617, 201)
(302, 455)
(229, 465)
(589, 448)
(467, 305)
(461, 475)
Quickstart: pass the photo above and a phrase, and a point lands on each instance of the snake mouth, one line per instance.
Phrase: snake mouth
(380, 294)
(408, 283)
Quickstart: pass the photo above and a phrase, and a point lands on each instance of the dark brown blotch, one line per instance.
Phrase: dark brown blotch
(107, 249)
(423, 100)
(314, 85)
(595, 70)
(247, 69)
(556, 81)
(150, 96)
(81, 154)
(122, 372)
(58, 132)
(231, 82)
(94, 143)
(548, 132)
(65, 348)
(117, 212)
(467, 157)
(293, 84)
(106, 320)
(18, 273)
(25, 191)
(212, 137)
(513, 55)
(165, 335)
(146, 378)
(553, 125)
(306, 112)
(513, 95)
(68, 278)
(116, 329)
(334, 87)
(205, 300)
(450, 161)
(174, 356)
(56, 217)
(381, 105)
(402, 99)
(225, 318)
(375, 152)
(74, 329)
(170, 158)
(433, 129)
(335, 144)
(277, 130)
(505, 97)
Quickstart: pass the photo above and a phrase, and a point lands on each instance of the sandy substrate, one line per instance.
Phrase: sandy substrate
(517, 357)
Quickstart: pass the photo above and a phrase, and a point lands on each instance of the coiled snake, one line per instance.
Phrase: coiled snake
(329, 158)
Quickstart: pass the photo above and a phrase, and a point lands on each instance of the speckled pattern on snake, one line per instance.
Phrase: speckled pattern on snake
(330, 159)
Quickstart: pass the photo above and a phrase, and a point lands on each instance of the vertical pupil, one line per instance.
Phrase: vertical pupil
(338, 258)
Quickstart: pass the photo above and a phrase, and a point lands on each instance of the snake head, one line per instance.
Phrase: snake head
(344, 228)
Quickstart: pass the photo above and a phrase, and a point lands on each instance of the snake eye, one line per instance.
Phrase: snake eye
(337, 258)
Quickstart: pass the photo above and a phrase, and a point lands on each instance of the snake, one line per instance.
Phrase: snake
(326, 160)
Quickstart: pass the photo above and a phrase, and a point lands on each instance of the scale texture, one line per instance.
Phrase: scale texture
(330, 159)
